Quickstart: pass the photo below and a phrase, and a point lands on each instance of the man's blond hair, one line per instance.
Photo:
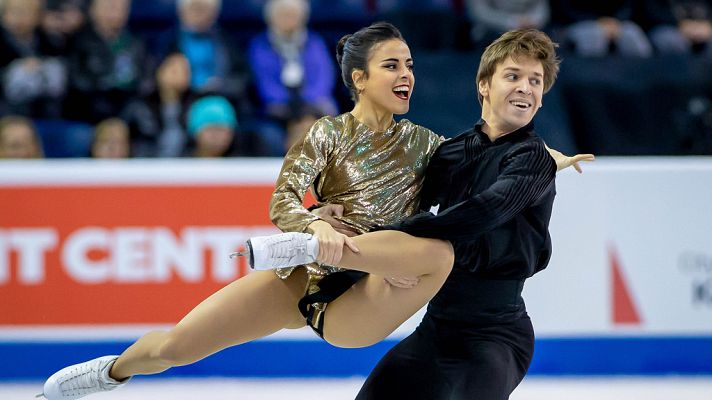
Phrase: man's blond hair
(530, 43)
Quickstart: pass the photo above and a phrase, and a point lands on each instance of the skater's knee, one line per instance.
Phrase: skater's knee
(443, 255)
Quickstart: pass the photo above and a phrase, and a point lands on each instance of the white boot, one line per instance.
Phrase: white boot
(82, 379)
(281, 251)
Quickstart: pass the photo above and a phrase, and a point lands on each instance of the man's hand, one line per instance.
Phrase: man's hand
(563, 161)
(327, 212)
(403, 282)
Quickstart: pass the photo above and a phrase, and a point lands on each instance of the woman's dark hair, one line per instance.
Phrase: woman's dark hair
(353, 51)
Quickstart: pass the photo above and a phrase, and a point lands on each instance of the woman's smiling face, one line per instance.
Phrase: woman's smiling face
(388, 85)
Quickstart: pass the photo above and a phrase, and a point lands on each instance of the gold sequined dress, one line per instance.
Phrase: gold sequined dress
(376, 176)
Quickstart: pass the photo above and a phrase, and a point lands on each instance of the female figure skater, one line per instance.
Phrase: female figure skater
(361, 159)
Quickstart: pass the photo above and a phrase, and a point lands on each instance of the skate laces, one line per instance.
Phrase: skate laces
(79, 380)
(281, 248)
(83, 378)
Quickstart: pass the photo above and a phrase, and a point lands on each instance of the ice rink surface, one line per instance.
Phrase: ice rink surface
(535, 388)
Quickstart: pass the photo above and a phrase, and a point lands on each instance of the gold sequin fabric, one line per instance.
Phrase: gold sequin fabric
(376, 176)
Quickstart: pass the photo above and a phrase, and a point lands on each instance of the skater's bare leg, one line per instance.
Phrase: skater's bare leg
(249, 308)
(372, 308)
(395, 253)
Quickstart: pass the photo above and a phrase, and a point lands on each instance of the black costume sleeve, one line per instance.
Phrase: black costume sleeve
(436, 177)
(525, 175)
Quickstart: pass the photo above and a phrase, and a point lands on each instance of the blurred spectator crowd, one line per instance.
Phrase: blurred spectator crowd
(212, 78)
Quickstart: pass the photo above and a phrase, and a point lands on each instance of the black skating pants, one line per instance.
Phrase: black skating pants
(454, 361)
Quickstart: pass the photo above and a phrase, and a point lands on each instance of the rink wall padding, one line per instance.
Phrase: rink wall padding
(628, 289)
(312, 358)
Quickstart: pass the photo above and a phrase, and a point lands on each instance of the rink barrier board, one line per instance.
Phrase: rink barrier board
(310, 358)
(630, 295)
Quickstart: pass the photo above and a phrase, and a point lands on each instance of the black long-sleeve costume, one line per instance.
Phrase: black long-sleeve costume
(495, 200)
(476, 340)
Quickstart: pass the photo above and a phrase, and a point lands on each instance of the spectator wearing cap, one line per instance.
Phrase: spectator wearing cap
(212, 124)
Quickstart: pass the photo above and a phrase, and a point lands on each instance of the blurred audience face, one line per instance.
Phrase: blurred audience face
(18, 139)
(297, 128)
(287, 17)
(111, 140)
(64, 19)
(21, 17)
(174, 74)
(198, 15)
(110, 16)
(213, 141)
(53, 22)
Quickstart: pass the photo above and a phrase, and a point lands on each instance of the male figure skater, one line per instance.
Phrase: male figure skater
(495, 184)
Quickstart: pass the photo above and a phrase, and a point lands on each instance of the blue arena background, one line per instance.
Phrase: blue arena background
(312, 358)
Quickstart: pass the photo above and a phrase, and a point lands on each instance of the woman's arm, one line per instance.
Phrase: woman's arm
(301, 166)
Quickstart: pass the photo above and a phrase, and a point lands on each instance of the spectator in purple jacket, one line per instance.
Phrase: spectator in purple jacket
(292, 68)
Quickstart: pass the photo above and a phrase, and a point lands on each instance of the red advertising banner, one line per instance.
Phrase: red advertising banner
(121, 254)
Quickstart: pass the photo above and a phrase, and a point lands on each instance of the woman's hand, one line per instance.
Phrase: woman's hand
(331, 242)
(563, 161)
(328, 212)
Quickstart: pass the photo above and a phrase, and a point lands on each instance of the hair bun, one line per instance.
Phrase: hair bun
(340, 48)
